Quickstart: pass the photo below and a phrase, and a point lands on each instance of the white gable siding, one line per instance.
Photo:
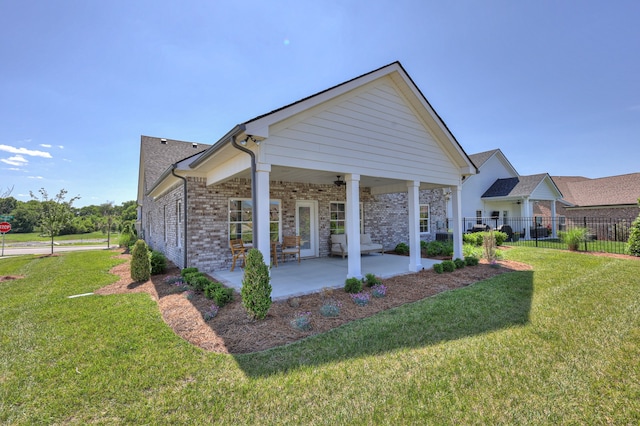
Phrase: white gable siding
(476, 185)
(544, 191)
(369, 131)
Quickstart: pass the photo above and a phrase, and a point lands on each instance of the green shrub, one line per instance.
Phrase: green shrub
(140, 264)
(158, 263)
(459, 263)
(191, 277)
(222, 296)
(211, 288)
(402, 248)
(633, 244)
(126, 240)
(448, 266)
(423, 245)
(186, 271)
(353, 285)
(256, 288)
(438, 268)
(371, 280)
(199, 282)
(573, 237)
(471, 250)
(435, 248)
(500, 237)
(471, 260)
(474, 238)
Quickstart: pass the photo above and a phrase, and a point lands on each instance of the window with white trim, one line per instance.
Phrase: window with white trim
(424, 219)
(338, 217)
(241, 219)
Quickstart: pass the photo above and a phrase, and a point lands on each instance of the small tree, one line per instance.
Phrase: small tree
(140, 262)
(633, 244)
(55, 212)
(256, 289)
(108, 212)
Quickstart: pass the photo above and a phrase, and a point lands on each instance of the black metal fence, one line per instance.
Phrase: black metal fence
(608, 235)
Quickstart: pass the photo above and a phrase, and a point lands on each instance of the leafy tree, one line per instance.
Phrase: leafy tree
(108, 213)
(56, 213)
(7, 205)
(26, 216)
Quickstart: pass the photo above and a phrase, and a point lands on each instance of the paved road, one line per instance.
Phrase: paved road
(15, 251)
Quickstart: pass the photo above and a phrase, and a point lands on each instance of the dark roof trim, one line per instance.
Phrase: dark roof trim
(225, 140)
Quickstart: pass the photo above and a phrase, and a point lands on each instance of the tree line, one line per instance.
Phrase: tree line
(31, 216)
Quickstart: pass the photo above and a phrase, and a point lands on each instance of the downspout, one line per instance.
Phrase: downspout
(254, 195)
(184, 208)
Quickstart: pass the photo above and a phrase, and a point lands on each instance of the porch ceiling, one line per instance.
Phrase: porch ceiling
(321, 177)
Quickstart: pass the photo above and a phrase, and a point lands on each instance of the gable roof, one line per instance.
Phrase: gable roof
(516, 187)
(258, 127)
(482, 157)
(606, 191)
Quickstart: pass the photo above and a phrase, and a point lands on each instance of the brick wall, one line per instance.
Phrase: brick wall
(385, 217)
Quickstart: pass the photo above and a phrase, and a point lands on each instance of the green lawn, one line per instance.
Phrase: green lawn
(556, 345)
(12, 238)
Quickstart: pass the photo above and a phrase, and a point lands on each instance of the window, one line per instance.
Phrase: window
(179, 223)
(424, 219)
(338, 217)
(241, 220)
(164, 223)
(478, 217)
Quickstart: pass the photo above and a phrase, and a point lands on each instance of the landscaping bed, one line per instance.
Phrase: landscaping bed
(231, 331)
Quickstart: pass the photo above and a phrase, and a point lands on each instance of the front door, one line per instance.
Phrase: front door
(307, 227)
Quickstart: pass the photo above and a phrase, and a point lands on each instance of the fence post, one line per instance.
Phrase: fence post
(585, 240)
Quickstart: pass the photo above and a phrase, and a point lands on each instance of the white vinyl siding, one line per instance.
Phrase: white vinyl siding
(370, 131)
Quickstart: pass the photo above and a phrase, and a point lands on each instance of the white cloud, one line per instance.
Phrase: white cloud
(61, 146)
(25, 151)
(16, 160)
(36, 177)
(45, 145)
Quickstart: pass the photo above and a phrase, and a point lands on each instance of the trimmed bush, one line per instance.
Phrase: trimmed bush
(189, 270)
(200, 283)
(353, 285)
(140, 263)
(402, 248)
(448, 266)
(256, 288)
(573, 237)
(459, 263)
(471, 260)
(222, 296)
(191, 277)
(211, 288)
(371, 280)
(438, 268)
(158, 263)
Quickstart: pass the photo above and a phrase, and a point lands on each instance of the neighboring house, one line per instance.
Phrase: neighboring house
(367, 156)
(612, 198)
(498, 195)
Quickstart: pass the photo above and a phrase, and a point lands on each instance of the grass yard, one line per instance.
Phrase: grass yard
(559, 345)
(12, 237)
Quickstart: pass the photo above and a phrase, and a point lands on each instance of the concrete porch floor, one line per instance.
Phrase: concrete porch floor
(312, 275)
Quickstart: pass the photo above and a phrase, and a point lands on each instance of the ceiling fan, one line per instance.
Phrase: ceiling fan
(339, 182)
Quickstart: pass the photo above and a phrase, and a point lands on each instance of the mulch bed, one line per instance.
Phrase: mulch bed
(231, 331)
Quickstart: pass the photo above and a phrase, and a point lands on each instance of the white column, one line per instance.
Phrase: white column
(262, 210)
(554, 227)
(353, 226)
(526, 206)
(456, 205)
(413, 192)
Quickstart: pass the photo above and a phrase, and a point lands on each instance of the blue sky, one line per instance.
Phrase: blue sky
(554, 84)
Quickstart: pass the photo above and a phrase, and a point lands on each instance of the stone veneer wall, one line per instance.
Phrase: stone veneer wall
(385, 217)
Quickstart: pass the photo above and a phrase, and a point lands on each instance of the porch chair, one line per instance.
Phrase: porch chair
(291, 246)
(238, 251)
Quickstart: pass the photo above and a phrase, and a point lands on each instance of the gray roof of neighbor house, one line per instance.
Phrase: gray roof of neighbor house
(521, 186)
(481, 157)
(606, 191)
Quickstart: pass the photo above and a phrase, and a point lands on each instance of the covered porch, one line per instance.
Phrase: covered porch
(312, 275)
